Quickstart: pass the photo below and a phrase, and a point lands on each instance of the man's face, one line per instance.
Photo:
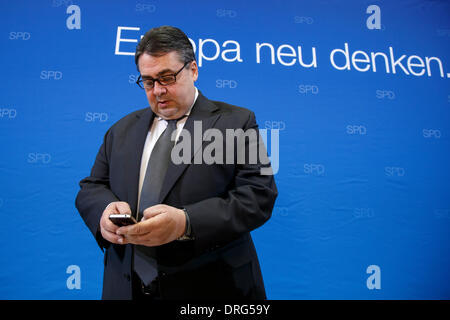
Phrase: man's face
(174, 100)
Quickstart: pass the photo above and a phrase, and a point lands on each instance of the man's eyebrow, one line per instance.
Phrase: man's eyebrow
(158, 74)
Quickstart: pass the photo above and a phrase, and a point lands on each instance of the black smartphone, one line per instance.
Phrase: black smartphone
(122, 220)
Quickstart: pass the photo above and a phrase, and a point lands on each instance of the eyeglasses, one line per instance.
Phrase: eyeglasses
(149, 83)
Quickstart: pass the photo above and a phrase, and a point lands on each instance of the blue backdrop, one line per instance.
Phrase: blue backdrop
(358, 90)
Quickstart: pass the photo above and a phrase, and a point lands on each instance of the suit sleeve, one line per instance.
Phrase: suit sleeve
(247, 205)
(95, 194)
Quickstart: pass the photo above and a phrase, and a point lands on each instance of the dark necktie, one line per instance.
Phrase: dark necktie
(144, 257)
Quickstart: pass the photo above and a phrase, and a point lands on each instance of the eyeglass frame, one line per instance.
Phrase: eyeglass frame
(174, 75)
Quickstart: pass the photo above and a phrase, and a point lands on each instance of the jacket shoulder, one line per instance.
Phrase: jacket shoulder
(128, 120)
(232, 110)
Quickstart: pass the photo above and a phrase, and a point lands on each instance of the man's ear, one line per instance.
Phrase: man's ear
(194, 69)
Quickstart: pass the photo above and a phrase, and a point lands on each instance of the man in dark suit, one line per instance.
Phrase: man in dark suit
(192, 238)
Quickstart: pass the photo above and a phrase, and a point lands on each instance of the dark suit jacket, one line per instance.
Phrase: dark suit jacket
(224, 202)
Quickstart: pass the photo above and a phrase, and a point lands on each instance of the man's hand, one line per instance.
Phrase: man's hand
(160, 224)
(109, 229)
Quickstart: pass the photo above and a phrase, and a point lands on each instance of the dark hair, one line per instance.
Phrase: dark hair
(162, 40)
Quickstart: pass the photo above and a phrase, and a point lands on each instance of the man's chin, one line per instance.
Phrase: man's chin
(168, 113)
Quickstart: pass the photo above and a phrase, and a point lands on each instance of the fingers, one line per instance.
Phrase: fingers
(153, 211)
(145, 232)
(113, 237)
(160, 224)
(109, 229)
(107, 224)
(153, 218)
(123, 207)
(120, 207)
(139, 228)
(145, 239)
(163, 224)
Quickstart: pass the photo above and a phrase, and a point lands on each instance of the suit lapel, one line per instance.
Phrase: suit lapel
(204, 111)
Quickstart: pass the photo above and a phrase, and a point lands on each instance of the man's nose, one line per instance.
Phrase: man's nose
(158, 89)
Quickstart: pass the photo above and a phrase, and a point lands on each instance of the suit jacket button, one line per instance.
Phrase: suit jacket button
(127, 276)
